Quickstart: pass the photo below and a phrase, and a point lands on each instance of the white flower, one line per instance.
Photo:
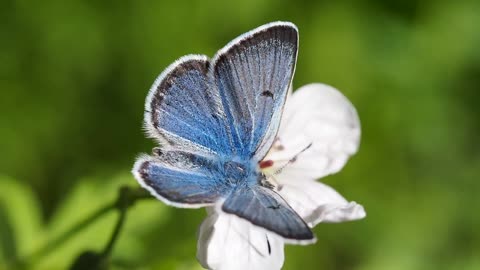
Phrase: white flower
(321, 120)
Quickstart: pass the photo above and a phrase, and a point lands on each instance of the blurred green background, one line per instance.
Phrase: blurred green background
(74, 76)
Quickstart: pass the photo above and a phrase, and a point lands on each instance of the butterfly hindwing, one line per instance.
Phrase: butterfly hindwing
(252, 75)
(181, 178)
(265, 208)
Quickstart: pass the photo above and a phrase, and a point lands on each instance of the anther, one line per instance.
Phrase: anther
(265, 164)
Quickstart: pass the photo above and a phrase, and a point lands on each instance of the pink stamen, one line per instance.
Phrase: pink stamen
(265, 164)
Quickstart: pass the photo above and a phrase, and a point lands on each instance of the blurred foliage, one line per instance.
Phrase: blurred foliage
(74, 76)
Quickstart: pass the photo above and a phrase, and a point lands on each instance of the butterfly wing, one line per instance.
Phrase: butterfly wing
(265, 208)
(183, 111)
(252, 75)
(184, 114)
(180, 178)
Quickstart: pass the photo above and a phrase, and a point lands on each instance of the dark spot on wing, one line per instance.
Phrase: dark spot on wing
(274, 206)
(143, 170)
(267, 94)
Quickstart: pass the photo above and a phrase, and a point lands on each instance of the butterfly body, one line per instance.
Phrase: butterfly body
(238, 173)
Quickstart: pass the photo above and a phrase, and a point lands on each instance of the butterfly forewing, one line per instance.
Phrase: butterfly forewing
(252, 75)
(184, 111)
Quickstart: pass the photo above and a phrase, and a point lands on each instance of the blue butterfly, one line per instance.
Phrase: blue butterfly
(216, 120)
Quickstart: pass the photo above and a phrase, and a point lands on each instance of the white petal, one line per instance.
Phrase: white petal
(320, 115)
(226, 242)
(316, 202)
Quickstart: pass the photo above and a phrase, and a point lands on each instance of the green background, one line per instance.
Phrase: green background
(74, 76)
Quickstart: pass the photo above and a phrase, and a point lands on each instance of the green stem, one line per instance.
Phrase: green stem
(126, 198)
(57, 242)
(116, 232)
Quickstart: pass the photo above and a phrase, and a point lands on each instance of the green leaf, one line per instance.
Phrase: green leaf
(8, 247)
(89, 195)
(20, 219)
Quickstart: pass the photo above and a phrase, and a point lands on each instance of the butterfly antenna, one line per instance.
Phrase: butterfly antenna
(292, 160)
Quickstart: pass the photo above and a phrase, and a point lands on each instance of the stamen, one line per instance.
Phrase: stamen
(268, 245)
(275, 182)
(265, 164)
(269, 180)
(277, 144)
(292, 160)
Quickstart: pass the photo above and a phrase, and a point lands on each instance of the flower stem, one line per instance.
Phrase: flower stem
(61, 239)
(126, 198)
(116, 231)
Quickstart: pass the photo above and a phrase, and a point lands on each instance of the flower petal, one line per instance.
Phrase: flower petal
(316, 202)
(228, 242)
(319, 115)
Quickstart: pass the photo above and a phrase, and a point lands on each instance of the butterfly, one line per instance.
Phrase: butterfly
(216, 119)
